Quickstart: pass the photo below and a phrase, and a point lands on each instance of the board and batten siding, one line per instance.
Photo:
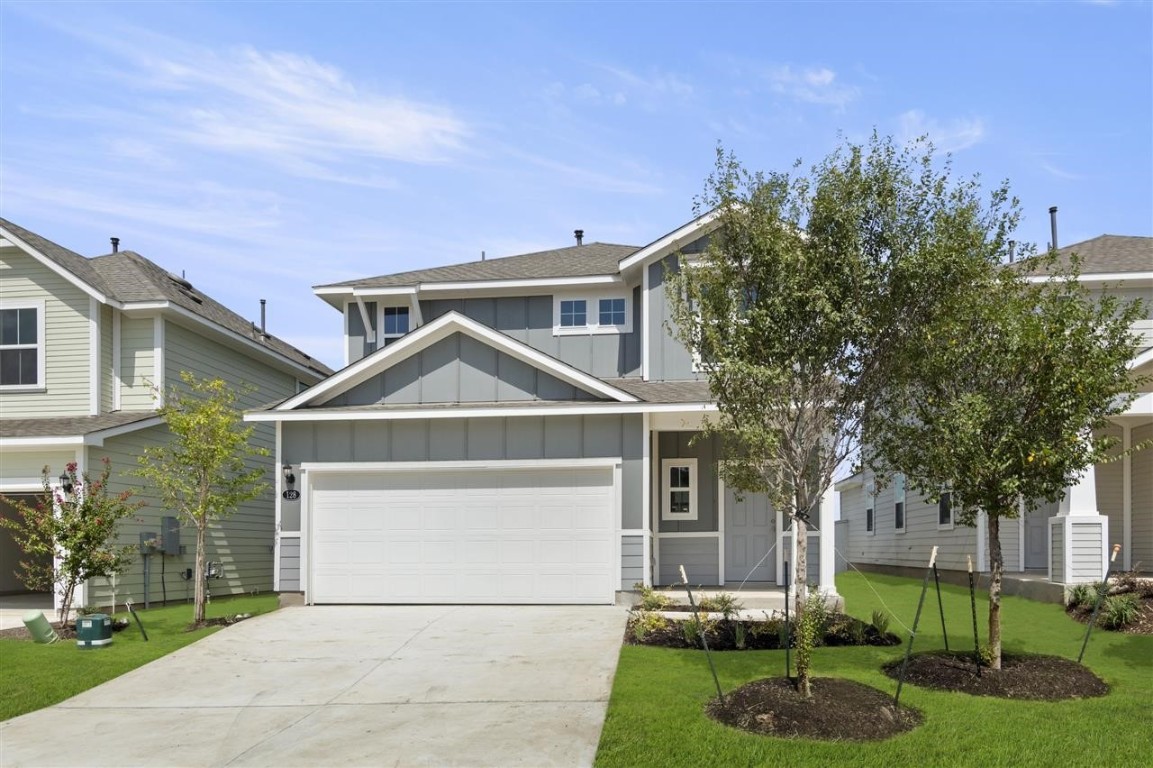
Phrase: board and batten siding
(67, 359)
(700, 557)
(137, 363)
(460, 369)
(1141, 472)
(669, 359)
(107, 368)
(242, 542)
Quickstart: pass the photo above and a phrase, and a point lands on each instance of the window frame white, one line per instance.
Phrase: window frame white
(592, 324)
(667, 489)
(40, 346)
(382, 308)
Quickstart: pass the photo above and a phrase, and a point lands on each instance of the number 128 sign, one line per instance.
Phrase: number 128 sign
(291, 495)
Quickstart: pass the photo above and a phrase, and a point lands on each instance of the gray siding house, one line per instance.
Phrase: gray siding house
(1067, 542)
(87, 346)
(516, 430)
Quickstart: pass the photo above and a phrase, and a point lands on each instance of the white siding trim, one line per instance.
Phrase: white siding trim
(158, 359)
(1126, 498)
(408, 466)
(117, 351)
(688, 535)
(669, 242)
(646, 497)
(645, 321)
(615, 408)
(618, 547)
(93, 356)
(720, 526)
(694, 489)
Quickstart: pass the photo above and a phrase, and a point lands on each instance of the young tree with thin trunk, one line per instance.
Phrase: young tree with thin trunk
(201, 472)
(68, 533)
(1000, 400)
(797, 304)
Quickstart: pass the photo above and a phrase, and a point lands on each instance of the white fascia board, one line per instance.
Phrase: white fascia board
(1101, 277)
(1140, 360)
(465, 411)
(52, 265)
(98, 438)
(406, 290)
(147, 307)
(426, 336)
(1141, 406)
(512, 285)
(670, 242)
(320, 467)
(41, 443)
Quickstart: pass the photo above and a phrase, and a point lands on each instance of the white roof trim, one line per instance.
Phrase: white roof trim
(1098, 277)
(427, 335)
(465, 411)
(852, 481)
(469, 285)
(52, 265)
(1141, 358)
(671, 241)
(96, 438)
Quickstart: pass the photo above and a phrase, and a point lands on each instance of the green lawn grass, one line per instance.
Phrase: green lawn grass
(656, 717)
(36, 676)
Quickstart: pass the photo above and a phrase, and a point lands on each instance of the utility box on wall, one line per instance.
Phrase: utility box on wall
(170, 536)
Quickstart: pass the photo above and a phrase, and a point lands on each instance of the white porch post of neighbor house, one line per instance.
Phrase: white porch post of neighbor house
(1079, 535)
(827, 562)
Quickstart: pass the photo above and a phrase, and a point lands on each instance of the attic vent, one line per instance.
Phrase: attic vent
(180, 281)
(185, 287)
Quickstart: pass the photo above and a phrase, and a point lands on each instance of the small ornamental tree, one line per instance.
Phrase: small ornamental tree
(797, 305)
(1002, 396)
(201, 472)
(69, 538)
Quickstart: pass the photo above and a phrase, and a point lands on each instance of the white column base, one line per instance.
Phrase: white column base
(1078, 548)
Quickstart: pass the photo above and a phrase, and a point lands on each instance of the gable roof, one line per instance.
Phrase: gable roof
(126, 278)
(430, 333)
(1107, 254)
(588, 260)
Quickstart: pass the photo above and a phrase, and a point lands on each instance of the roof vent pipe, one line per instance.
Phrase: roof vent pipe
(115, 244)
(482, 255)
(1012, 251)
(1053, 225)
(579, 234)
(263, 317)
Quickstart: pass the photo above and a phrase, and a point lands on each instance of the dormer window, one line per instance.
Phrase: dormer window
(576, 315)
(395, 322)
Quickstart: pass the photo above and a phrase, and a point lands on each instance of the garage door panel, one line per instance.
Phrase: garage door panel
(486, 535)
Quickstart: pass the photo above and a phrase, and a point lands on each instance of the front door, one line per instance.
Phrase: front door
(749, 537)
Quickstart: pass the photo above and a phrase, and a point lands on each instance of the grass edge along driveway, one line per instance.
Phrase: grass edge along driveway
(656, 711)
(37, 676)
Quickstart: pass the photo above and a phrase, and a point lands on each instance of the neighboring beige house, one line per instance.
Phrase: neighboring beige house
(85, 346)
(1068, 542)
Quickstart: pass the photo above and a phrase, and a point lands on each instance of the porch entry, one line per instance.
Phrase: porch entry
(749, 536)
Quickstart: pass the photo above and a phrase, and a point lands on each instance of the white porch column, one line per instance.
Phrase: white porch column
(826, 575)
(1079, 535)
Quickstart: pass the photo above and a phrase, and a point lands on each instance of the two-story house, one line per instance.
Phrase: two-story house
(516, 430)
(87, 346)
(1068, 542)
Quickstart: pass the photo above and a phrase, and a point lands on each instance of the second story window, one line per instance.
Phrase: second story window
(589, 315)
(395, 322)
(573, 313)
(612, 311)
(22, 346)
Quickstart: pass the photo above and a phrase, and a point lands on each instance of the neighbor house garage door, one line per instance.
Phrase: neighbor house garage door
(488, 535)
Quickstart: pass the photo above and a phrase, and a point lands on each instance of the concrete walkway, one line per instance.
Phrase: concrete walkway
(350, 686)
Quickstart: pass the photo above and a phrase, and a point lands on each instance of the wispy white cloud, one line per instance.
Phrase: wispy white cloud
(1060, 173)
(624, 87)
(813, 85)
(951, 135)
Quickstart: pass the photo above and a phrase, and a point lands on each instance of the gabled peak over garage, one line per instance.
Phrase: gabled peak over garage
(455, 359)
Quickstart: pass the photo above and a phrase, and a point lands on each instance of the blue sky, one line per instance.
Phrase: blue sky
(263, 148)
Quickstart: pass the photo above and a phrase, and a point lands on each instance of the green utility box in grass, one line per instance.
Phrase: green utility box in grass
(93, 630)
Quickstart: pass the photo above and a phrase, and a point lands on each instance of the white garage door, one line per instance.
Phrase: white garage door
(463, 536)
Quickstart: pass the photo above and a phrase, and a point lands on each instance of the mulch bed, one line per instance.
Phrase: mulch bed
(1143, 625)
(118, 625)
(1038, 678)
(839, 710)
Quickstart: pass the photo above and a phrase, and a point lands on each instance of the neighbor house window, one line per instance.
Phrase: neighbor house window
(22, 346)
(899, 503)
(395, 322)
(869, 528)
(945, 510)
(679, 492)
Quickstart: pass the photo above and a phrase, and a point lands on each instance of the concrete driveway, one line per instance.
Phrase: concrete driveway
(350, 686)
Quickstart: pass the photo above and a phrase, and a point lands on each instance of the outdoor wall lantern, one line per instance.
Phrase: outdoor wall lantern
(65, 483)
(289, 477)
